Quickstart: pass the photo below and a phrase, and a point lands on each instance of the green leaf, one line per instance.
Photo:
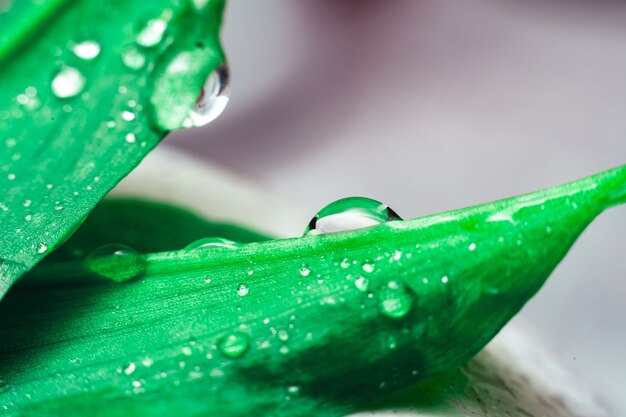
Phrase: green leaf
(88, 90)
(282, 327)
(146, 227)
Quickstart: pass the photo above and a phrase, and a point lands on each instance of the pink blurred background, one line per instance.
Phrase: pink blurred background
(432, 105)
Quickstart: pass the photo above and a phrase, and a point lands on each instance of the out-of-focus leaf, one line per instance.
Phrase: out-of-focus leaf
(146, 227)
(87, 88)
(321, 324)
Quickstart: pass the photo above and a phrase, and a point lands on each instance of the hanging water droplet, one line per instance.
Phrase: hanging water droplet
(68, 82)
(117, 263)
(242, 290)
(133, 59)
(362, 283)
(152, 33)
(212, 99)
(394, 300)
(350, 214)
(86, 50)
(210, 243)
(234, 345)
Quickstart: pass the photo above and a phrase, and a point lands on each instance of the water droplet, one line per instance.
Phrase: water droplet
(284, 350)
(130, 368)
(242, 290)
(152, 33)
(130, 137)
(212, 99)
(68, 82)
(368, 267)
(234, 345)
(117, 263)
(345, 263)
(128, 116)
(294, 389)
(350, 214)
(133, 59)
(186, 350)
(210, 243)
(395, 301)
(87, 50)
(42, 248)
(362, 284)
(472, 246)
(283, 335)
(305, 271)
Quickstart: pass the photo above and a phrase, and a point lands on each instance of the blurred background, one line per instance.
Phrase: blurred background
(430, 105)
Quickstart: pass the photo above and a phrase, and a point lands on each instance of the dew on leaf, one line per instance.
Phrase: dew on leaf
(394, 300)
(68, 82)
(234, 345)
(350, 214)
(212, 100)
(86, 50)
(211, 243)
(117, 263)
(133, 59)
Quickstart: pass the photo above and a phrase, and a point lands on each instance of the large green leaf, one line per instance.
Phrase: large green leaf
(88, 87)
(321, 324)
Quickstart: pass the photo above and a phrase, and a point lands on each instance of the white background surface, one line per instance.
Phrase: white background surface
(437, 104)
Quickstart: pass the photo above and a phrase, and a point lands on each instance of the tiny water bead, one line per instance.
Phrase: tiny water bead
(117, 263)
(68, 82)
(394, 300)
(350, 214)
(242, 290)
(362, 283)
(212, 99)
(234, 345)
(86, 50)
(212, 243)
(133, 59)
(152, 33)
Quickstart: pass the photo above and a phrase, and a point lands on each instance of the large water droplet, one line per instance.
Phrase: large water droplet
(394, 300)
(68, 82)
(350, 214)
(212, 243)
(117, 263)
(234, 345)
(212, 99)
(86, 50)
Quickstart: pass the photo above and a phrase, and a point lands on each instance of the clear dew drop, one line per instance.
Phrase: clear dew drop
(211, 243)
(394, 300)
(350, 213)
(117, 263)
(87, 49)
(234, 345)
(293, 389)
(133, 59)
(68, 82)
(212, 99)
(242, 290)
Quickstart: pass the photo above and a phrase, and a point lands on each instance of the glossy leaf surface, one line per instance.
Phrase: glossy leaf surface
(84, 87)
(315, 325)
